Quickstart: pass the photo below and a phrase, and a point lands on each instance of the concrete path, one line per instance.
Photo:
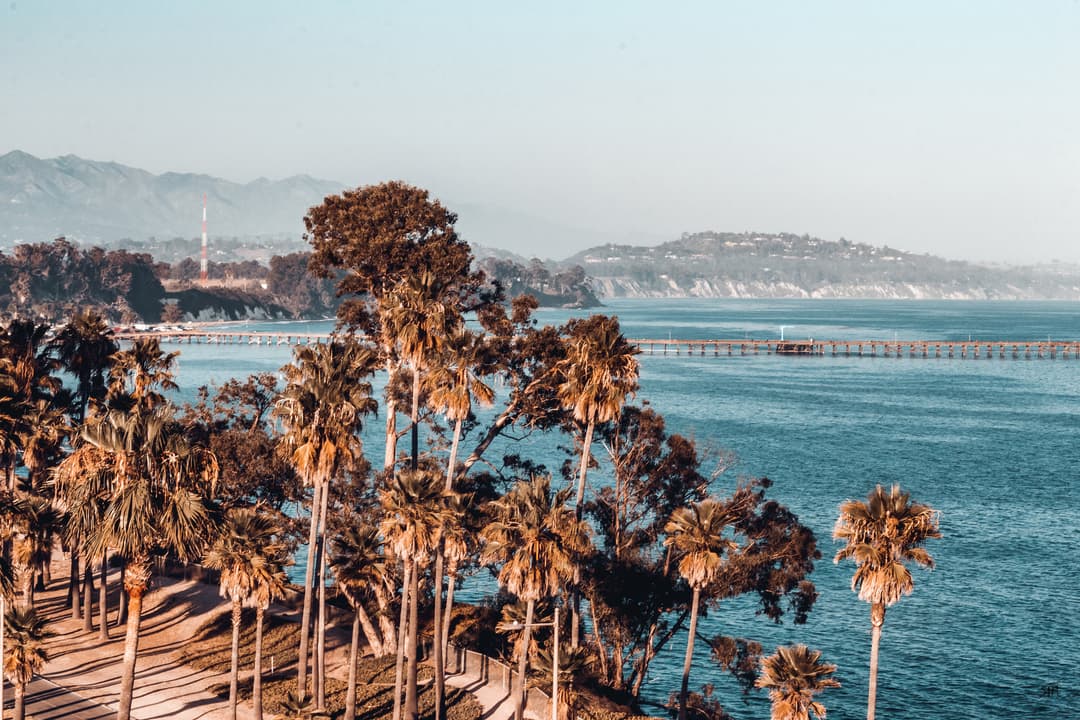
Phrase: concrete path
(45, 700)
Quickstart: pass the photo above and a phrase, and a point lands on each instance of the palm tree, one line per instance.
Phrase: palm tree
(413, 517)
(139, 372)
(537, 539)
(697, 535)
(269, 583)
(240, 554)
(415, 323)
(7, 583)
(881, 536)
(84, 348)
(358, 567)
(454, 384)
(595, 377)
(26, 655)
(322, 408)
(794, 674)
(154, 505)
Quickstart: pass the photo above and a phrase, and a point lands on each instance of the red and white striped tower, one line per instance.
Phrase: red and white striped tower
(202, 262)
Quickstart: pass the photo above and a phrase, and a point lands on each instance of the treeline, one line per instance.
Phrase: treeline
(53, 280)
(566, 288)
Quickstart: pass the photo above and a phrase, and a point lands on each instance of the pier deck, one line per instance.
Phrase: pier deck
(938, 349)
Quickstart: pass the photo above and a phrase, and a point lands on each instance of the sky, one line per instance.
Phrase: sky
(945, 127)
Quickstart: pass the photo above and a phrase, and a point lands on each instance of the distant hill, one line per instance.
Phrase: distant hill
(95, 202)
(720, 264)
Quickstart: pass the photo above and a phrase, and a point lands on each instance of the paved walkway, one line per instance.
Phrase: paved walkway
(45, 700)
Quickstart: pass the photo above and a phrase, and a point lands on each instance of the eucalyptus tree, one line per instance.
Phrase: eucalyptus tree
(536, 540)
(594, 379)
(359, 567)
(25, 654)
(322, 408)
(882, 535)
(155, 503)
(794, 675)
(414, 512)
(373, 238)
(700, 534)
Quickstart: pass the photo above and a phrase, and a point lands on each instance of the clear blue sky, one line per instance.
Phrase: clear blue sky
(944, 127)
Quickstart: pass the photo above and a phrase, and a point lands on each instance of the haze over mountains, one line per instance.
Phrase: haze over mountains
(104, 203)
(101, 202)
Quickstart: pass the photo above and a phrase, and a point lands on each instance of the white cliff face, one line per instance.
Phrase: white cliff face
(626, 287)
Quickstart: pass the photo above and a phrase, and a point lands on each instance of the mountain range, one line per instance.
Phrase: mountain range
(101, 202)
(114, 205)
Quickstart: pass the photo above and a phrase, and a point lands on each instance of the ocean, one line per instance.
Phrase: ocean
(991, 443)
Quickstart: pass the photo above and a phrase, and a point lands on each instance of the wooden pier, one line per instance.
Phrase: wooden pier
(226, 337)
(936, 349)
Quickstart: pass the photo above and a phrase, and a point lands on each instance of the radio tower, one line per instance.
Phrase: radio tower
(202, 262)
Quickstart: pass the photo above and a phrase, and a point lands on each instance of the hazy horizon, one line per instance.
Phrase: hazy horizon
(946, 128)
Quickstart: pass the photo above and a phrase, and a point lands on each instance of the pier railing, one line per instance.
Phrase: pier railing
(945, 349)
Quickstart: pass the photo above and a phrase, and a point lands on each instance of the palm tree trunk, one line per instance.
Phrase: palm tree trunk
(437, 649)
(411, 705)
(88, 598)
(320, 642)
(73, 583)
(309, 573)
(689, 654)
(20, 701)
(234, 668)
(402, 629)
(354, 651)
(575, 620)
(370, 633)
(451, 462)
(103, 604)
(414, 462)
(122, 611)
(877, 619)
(520, 698)
(390, 454)
(3, 623)
(449, 613)
(256, 678)
(131, 649)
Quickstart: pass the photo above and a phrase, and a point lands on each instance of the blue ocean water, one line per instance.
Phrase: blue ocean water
(991, 443)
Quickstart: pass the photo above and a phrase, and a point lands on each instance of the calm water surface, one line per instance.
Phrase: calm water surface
(991, 443)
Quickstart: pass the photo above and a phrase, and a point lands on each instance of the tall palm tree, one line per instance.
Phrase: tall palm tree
(322, 408)
(882, 535)
(240, 554)
(358, 567)
(595, 377)
(26, 655)
(454, 384)
(537, 540)
(794, 674)
(84, 348)
(155, 504)
(415, 323)
(269, 583)
(697, 534)
(7, 579)
(413, 517)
